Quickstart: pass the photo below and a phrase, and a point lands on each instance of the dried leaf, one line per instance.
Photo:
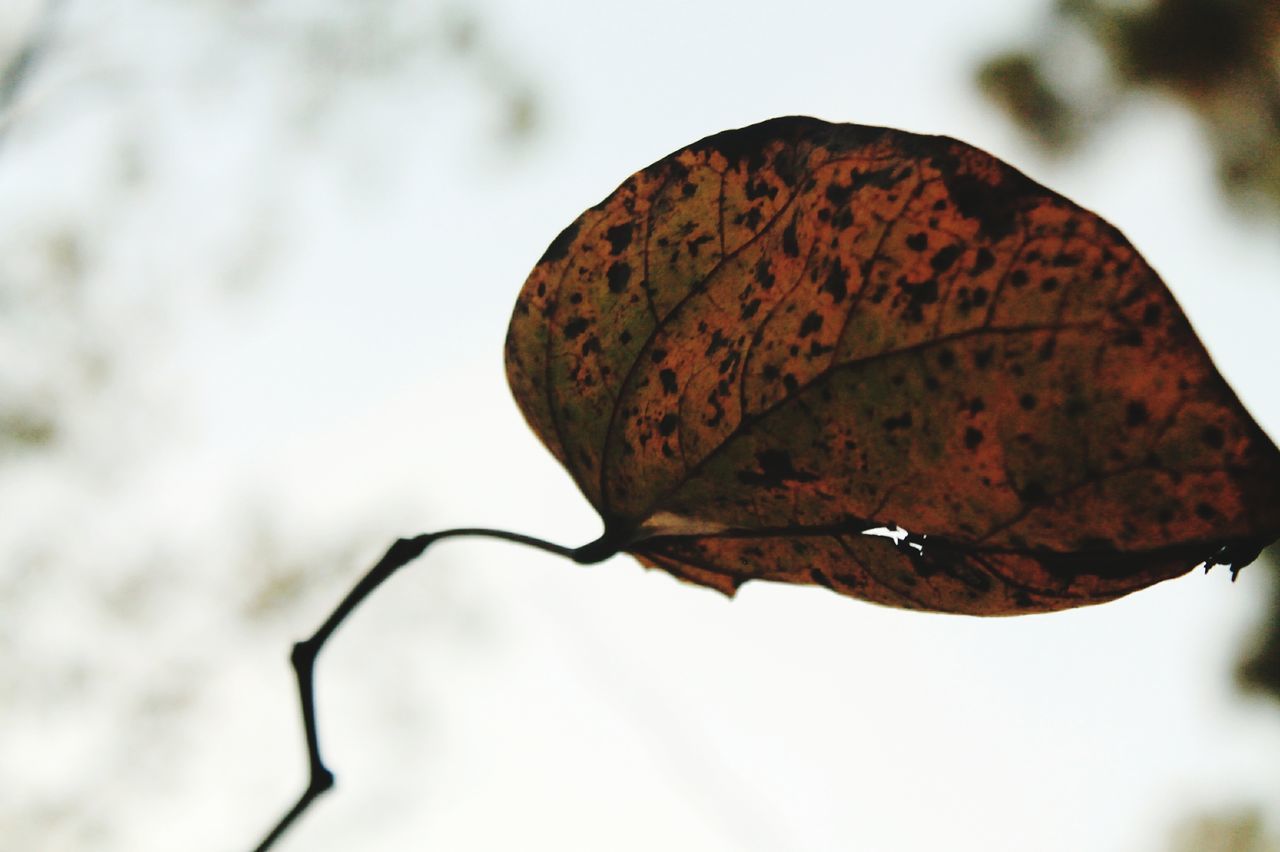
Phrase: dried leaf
(780, 337)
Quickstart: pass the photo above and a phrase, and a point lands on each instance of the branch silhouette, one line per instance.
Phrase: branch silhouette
(303, 656)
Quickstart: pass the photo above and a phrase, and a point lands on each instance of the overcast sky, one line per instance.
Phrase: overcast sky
(336, 236)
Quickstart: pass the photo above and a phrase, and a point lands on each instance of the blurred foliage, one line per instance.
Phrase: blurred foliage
(1235, 832)
(63, 357)
(1218, 58)
(97, 102)
(1260, 670)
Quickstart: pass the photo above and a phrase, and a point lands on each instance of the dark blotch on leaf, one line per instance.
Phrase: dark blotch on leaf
(902, 421)
(972, 438)
(835, 284)
(759, 188)
(1033, 493)
(790, 246)
(574, 327)
(559, 247)
(918, 241)
(619, 274)
(983, 261)
(1213, 437)
(668, 378)
(776, 470)
(668, 425)
(839, 195)
(994, 205)
(944, 258)
(810, 324)
(878, 178)
(695, 245)
(619, 237)
(764, 274)
(1130, 337)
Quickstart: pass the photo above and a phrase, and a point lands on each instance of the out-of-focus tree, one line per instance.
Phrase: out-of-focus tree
(1220, 58)
(1260, 670)
(55, 359)
(1233, 832)
(118, 232)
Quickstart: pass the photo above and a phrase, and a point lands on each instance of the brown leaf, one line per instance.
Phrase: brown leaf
(780, 337)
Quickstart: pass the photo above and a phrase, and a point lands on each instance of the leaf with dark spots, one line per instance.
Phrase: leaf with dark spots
(845, 328)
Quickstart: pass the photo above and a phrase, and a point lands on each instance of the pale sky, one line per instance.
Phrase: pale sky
(492, 697)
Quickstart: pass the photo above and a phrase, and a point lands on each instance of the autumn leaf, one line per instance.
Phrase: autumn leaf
(779, 338)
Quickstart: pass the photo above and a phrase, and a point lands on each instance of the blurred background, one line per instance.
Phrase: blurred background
(257, 261)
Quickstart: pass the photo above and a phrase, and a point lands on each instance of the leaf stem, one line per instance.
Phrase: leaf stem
(402, 552)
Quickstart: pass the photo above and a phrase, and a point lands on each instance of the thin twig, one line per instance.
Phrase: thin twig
(303, 657)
